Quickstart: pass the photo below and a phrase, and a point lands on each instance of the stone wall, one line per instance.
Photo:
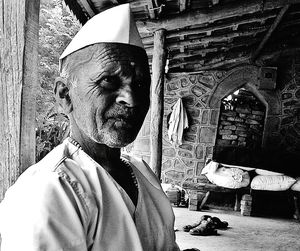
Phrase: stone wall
(201, 94)
(241, 121)
(289, 83)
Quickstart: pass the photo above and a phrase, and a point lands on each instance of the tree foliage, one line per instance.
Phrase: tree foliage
(57, 27)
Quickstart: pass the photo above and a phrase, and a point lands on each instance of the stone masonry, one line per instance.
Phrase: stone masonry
(201, 94)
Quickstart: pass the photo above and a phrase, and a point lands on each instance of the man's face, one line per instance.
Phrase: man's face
(111, 95)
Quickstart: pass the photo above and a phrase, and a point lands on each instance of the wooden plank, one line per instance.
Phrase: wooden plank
(151, 9)
(177, 33)
(18, 82)
(218, 13)
(157, 101)
(270, 32)
(200, 67)
(86, 7)
(182, 5)
(210, 187)
(205, 41)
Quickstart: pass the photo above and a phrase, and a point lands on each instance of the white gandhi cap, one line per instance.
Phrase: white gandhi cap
(115, 25)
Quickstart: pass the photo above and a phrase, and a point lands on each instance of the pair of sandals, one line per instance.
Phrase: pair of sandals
(207, 225)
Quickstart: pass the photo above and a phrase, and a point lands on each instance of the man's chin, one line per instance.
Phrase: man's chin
(116, 139)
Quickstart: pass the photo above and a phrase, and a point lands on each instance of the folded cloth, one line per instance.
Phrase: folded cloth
(177, 123)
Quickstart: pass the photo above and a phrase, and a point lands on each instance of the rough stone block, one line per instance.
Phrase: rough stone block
(240, 143)
(177, 175)
(241, 133)
(204, 118)
(207, 134)
(185, 154)
(286, 95)
(223, 142)
(189, 138)
(239, 128)
(166, 165)
(224, 122)
(170, 100)
(172, 86)
(170, 152)
(230, 137)
(204, 98)
(190, 172)
(241, 125)
(230, 127)
(229, 113)
(258, 112)
(243, 110)
(193, 112)
(198, 91)
(251, 122)
(199, 152)
(188, 147)
(242, 139)
(255, 117)
(199, 168)
(184, 82)
(225, 132)
(214, 117)
(188, 163)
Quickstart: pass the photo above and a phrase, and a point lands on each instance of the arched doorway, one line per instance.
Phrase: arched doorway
(241, 123)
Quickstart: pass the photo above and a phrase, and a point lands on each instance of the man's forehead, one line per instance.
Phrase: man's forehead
(117, 53)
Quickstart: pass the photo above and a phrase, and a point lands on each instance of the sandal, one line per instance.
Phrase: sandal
(219, 224)
(206, 227)
(202, 231)
(187, 228)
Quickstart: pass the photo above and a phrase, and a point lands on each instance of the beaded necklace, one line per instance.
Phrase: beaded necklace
(122, 160)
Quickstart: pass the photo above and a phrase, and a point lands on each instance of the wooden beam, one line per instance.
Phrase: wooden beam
(211, 66)
(157, 101)
(218, 13)
(210, 29)
(206, 40)
(148, 40)
(202, 52)
(213, 28)
(270, 32)
(182, 5)
(151, 9)
(86, 7)
(19, 28)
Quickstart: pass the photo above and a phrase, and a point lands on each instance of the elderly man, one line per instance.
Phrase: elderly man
(83, 195)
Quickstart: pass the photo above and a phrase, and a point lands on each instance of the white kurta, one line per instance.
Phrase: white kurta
(69, 202)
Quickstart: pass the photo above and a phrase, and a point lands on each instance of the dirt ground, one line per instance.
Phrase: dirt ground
(245, 233)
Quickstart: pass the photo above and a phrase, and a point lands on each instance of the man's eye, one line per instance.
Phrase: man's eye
(109, 83)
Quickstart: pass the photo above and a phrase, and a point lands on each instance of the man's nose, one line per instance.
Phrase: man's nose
(126, 96)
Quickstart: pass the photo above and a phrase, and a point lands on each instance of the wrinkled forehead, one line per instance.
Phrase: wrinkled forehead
(108, 55)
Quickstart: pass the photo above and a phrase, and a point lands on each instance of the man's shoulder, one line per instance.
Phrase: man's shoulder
(48, 178)
(50, 163)
(47, 171)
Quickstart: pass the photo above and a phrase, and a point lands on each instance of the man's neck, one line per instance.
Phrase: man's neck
(107, 157)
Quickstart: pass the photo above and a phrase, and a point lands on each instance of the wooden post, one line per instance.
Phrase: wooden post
(19, 28)
(157, 101)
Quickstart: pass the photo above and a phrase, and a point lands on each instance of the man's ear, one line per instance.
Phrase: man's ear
(62, 96)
